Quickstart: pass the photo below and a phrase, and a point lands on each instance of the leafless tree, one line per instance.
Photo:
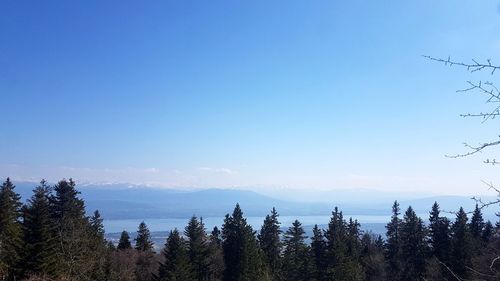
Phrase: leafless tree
(492, 97)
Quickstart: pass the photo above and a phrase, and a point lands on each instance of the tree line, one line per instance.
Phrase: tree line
(50, 237)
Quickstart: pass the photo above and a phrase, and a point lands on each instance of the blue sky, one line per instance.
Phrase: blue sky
(255, 94)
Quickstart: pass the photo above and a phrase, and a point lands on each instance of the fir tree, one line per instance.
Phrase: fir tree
(197, 247)
(39, 251)
(318, 254)
(340, 266)
(215, 259)
(145, 257)
(372, 257)
(124, 242)
(11, 233)
(393, 244)
(176, 266)
(143, 240)
(242, 256)
(295, 258)
(413, 246)
(476, 227)
(270, 243)
(460, 256)
(439, 234)
(488, 232)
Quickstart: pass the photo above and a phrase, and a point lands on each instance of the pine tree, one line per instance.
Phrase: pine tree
(439, 234)
(39, 251)
(318, 254)
(242, 256)
(97, 247)
(270, 243)
(11, 233)
(413, 246)
(393, 244)
(176, 266)
(295, 261)
(461, 251)
(197, 246)
(143, 240)
(372, 257)
(124, 242)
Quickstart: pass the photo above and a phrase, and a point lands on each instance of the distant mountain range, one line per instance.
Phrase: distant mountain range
(120, 201)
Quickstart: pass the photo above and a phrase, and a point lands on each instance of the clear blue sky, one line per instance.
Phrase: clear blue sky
(261, 94)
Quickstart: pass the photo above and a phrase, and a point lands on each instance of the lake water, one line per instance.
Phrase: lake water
(167, 224)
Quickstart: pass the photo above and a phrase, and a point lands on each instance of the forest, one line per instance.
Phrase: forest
(51, 237)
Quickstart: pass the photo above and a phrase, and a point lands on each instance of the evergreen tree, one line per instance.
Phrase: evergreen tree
(372, 257)
(176, 266)
(215, 259)
(39, 251)
(97, 247)
(488, 232)
(318, 254)
(145, 257)
(295, 261)
(242, 256)
(124, 242)
(197, 246)
(476, 227)
(143, 240)
(353, 242)
(413, 246)
(461, 250)
(11, 233)
(393, 244)
(340, 266)
(270, 243)
(439, 234)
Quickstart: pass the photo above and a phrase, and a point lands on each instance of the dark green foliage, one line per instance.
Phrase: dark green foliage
(197, 246)
(413, 246)
(439, 234)
(296, 265)
(124, 242)
(393, 244)
(488, 232)
(11, 233)
(176, 266)
(340, 266)
(215, 259)
(242, 256)
(270, 243)
(39, 251)
(318, 254)
(145, 258)
(461, 245)
(372, 257)
(143, 240)
(476, 227)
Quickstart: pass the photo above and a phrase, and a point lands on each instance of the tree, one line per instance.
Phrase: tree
(318, 254)
(145, 257)
(11, 233)
(124, 242)
(460, 256)
(439, 234)
(476, 227)
(270, 243)
(143, 240)
(340, 266)
(295, 259)
(215, 259)
(176, 266)
(197, 247)
(242, 256)
(393, 244)
(372, 257)
(413, 246)
(39, 250)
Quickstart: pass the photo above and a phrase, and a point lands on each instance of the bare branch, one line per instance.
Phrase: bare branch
(472, 67)
(474, 149)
